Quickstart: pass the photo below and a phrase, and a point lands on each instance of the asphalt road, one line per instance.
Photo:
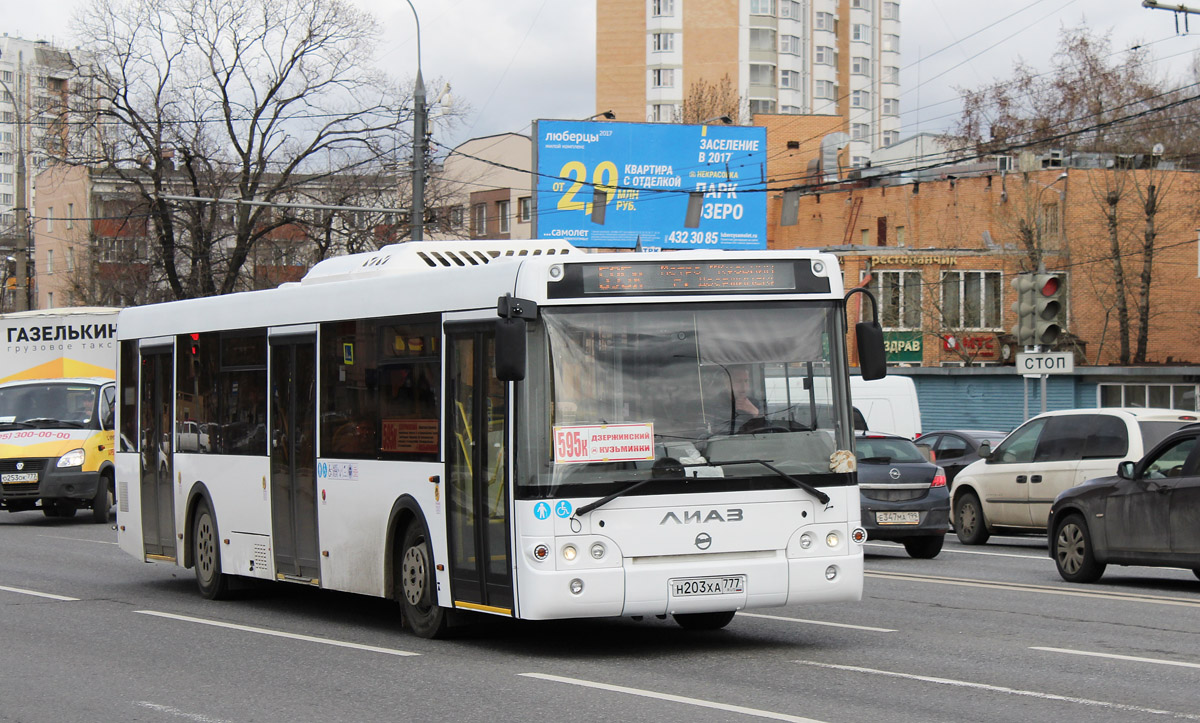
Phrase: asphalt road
(988, 633)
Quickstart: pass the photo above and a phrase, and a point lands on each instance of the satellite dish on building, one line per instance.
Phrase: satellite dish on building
(1157, 149)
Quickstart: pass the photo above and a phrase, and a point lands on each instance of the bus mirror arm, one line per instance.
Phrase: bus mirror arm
(872, 358)
(510, 336)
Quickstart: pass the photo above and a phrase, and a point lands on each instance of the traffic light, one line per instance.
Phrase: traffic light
(1024, 307)
(1047, 307)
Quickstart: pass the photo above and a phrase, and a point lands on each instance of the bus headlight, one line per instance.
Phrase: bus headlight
(832, 539)
(569, 552)
(74, 458)
(597, 550)
(831, 573)
(576, 586)
(805, 541)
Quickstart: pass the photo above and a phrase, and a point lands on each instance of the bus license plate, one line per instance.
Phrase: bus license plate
(19, 477)
(898, 518)
(708, 586)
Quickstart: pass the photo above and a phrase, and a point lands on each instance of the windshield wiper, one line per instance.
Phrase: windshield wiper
(821, 496)
(15, 425)
(44, 422)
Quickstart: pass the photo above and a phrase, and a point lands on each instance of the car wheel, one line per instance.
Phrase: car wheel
(703, 621)
(924, 548)
(415, 585)
(103, 501)
(969, 524)
(1073, 553)
(206, 554)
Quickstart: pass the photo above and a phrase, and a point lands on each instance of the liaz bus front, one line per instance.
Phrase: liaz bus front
(684, 435)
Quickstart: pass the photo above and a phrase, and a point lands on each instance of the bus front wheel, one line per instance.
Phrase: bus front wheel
(703, 621)
(206, 554)
(416, 585)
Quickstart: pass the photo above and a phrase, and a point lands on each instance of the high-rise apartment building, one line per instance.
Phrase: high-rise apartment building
(835, 57)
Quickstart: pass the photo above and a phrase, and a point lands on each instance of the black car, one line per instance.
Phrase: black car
(954, 449)
(903, 495)
(1147, 514)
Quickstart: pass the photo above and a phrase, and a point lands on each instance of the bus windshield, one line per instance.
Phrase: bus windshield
(701, 394)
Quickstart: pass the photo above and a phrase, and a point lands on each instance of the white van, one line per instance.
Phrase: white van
(888, 404)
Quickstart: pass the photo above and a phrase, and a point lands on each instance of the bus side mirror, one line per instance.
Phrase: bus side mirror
(872, 359)
(510, 350)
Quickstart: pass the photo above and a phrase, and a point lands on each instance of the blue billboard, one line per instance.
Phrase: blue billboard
(647, 173)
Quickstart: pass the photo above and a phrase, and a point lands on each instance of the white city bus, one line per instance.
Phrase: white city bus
(516, 428)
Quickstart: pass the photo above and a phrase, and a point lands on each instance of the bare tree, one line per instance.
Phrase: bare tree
(258, 100)
(705, 100)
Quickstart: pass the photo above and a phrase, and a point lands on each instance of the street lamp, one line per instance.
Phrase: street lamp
(21, 303)
(606, 115)
(420, 119)
(1062, 199)
(722, 118)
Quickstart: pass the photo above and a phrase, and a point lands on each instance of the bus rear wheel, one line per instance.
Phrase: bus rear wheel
(703, 621)
(206, 554)
(415, 585)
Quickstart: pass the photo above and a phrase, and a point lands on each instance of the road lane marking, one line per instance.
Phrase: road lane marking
(1114, 656)
(1039, 589)
(698, 702)
(1000, 689)
(968, 552)
(35, 593)
(158, 708)
(815, 622)
(276, 633)
(77, 539)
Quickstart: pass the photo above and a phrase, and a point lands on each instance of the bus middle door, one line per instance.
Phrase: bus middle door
(294, 458)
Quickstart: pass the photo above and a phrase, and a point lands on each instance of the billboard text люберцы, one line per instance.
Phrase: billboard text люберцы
(647, 171)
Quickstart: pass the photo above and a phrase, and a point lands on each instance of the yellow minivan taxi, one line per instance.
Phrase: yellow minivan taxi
(56, 446)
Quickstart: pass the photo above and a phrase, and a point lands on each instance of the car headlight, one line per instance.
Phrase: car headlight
(74, 458)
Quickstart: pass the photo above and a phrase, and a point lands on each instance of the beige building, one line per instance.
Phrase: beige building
(825, 57)
(486, 184)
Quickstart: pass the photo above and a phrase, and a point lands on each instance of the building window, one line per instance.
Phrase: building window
(762, 39)
(900, 235)
(762, 7)
(70, 215)
(791, 109)
(762, 74)
(860, 131)
(762, 106)
(891, 74)
(891, 106)
(824, 55)
(49, 261)
(664, 42)
(502, 215)
(6, 76)
(71, 259)
(789, 79)
(860, 32)
(6, 179)
(479, 220)
(1155, 396)
(524, 209)
(663, 113)
(899, 295)
(861, 4)
(790, 9)
(971, 299)
(50, 299)
(6, 199)
(890, 138)
(860, 66)
(823, 21)
(49, 219)
(825, 89)
(663, 77)
(1050, 219)
(860, 99)
(456, 216)
(891, 11)
(663, 8)
(860, 162)
(789, 44)
(891, 43)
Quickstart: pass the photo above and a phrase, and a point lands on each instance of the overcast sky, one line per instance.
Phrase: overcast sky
(513, 61)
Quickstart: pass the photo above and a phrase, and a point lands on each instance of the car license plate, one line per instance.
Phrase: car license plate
(688, 587)
(19, 477)
(898, 518)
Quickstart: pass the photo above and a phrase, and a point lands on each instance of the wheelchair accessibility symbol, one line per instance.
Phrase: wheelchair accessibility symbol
(563, 509)
(541, 511)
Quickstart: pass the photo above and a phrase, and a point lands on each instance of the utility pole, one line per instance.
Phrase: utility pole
(1179, 9)
(21, 210)
(420, 119)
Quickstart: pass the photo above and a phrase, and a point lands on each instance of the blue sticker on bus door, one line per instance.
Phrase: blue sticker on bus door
(541, 511)
(563, 509)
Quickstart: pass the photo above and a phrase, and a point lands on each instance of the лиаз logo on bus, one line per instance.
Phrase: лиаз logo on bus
(575, 444)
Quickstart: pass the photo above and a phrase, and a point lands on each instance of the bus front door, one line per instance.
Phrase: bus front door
(158, 493)
(294, 459)
(477, 489)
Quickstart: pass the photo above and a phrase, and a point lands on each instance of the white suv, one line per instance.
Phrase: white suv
(1014, 486)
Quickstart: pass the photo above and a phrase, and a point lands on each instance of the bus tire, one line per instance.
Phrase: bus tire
(103, 501)
(416, 586)
(703, 621)
(206, 554)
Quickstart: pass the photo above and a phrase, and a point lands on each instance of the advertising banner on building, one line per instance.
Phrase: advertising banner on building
(647, 172)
